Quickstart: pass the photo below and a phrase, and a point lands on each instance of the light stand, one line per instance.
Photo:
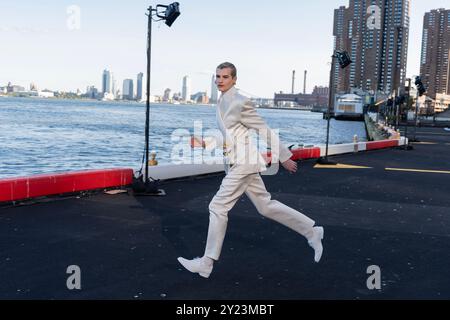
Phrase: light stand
(344, 61)
(170, 14)
(420, 91)
(407, 145)
(414, 139)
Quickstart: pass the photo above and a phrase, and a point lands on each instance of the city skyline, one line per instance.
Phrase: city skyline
(376, 38)
(66, 59)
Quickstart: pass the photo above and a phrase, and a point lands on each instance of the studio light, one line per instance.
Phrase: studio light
(344, 61)
(170, 14)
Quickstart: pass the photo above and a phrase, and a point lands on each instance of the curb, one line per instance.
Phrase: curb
(22, 188)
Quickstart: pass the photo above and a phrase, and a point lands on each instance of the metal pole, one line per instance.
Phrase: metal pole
(394, 108)
(330, 102)
(416, 117)
(397, 111)
(147, 115)
(407, 111)
(375, 98)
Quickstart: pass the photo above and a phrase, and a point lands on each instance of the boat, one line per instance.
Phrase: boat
(349, 106)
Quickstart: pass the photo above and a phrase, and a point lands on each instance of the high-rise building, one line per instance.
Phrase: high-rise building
(113, 84)
(139, 82)
(106, 81)
(214, 90)
(186, 92)
(375, 34)
(434, 64)
(166, 97)
(92, 92)
(127, 93)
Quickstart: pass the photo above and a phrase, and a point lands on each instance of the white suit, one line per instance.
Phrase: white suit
(236, 117)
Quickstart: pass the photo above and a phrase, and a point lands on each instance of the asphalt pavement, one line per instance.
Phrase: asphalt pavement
(387, 218)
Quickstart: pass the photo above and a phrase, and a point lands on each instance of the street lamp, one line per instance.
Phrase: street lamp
(169, 15)
(344, 61)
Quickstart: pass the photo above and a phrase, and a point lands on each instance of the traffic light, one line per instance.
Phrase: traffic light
(420, 87)
(343, 58)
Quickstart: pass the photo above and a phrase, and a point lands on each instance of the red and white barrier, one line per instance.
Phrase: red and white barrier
(51, 184)
(13, 189)
(170, 171)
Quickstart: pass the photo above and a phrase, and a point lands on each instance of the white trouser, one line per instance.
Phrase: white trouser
(232, 187)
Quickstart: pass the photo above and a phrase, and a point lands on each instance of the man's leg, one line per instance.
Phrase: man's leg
(285, 215)
(232, 187)
(276, 210)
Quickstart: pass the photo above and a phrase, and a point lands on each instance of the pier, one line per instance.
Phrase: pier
(388, 208)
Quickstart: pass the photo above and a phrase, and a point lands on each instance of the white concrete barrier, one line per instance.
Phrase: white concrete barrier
(173, 171)
(335, 149)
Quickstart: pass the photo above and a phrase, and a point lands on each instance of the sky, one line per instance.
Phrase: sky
(66, 45)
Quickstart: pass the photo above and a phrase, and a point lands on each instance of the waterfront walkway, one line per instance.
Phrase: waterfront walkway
(395, 214)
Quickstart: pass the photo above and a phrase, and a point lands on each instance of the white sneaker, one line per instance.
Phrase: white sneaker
(316, 243)
(196, 265)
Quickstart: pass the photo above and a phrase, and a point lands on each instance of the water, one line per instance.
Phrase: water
(42, 136)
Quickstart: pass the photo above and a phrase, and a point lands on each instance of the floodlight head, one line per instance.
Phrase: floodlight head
(343, 58)
(170, 14)
(420, 87)
(389, 102)
(418, 81)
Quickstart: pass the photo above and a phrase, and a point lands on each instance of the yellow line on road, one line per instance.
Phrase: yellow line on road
(339, 166)
(418, 170)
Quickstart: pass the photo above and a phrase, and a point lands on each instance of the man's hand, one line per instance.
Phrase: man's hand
(290, 166)
(197, 142)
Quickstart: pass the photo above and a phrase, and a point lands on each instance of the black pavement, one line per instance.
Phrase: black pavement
(126, 246)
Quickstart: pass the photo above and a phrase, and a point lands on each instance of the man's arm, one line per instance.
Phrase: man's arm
(210, 142)
(251, 119)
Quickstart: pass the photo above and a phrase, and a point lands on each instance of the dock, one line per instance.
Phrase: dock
(385, 208)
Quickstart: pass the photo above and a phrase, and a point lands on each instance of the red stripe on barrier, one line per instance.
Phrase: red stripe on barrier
(373, 145)
(309, 153)
(298, 154)
(50, 184)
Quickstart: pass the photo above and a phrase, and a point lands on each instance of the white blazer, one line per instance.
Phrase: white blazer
(236, 119)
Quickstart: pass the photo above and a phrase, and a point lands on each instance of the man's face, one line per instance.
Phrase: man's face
(224, 80)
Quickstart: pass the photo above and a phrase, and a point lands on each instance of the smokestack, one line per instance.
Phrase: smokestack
(304, 82)
(293, 81)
